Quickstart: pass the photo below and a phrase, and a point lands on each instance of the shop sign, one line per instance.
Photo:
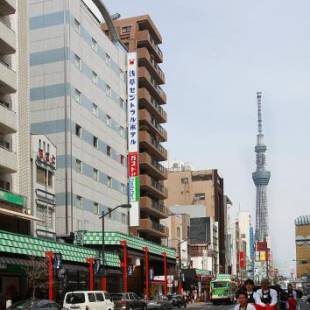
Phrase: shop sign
(133, 139)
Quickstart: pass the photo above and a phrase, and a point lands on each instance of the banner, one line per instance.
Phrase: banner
(133, 139)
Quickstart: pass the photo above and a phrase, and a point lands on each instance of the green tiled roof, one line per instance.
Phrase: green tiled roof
(26, 245)
(114, 238)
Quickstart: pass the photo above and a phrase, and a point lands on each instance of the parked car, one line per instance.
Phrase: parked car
(35, 304)
(88, 300)
(177, 300)
(161, 302)
(128, 301)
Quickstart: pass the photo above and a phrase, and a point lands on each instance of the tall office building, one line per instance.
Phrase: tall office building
(15, 209)
(261, 178)
(200, 188)
(78, 99)
(139, 34)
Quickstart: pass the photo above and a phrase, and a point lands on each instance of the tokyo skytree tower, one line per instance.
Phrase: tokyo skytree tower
(261, 179)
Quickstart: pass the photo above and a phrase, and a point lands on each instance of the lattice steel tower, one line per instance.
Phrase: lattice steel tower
(261, 178)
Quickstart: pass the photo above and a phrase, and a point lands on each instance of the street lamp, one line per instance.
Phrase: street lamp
(103, 215)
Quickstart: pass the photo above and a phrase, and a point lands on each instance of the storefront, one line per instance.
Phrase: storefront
(18, 253)
(141, 261)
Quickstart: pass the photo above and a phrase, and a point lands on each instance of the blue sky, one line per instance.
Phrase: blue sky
(218, 53)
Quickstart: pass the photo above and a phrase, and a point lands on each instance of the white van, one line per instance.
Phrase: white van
(88, 300)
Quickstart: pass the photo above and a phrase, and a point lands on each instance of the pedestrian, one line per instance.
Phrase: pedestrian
(292, 298)
(243, 303)
(250, 289)
(266, 298)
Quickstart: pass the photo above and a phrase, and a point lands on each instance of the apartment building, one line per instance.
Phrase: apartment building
(140, 35)
(43, 199)
(200, 188)
(302, 233)
(178, 226)
(15, 209)
(78, 100)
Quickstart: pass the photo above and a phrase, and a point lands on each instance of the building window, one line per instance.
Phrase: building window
(5, 185)
(45, 214)
(44, 146)
(78, 165)
(50, 178)
(77, 96)
(94, 44)
(96, 208)
(48, 148)
(108, 90)
(107, 58)
(95, 174)
(126, 29)
(109, 121)
(199, 196)
(95, 142)
(122, 159)
(110, 212)
(76, 25)
(78, 130)
(77, 61)
(41, 176)
(121, 103)
(178, 233)
(108, 150)
(122, 131)
(95, 109)
(123, 188)
(122, 74)
(40, 144)
(184, 180)
(124, 218)
(79, 202)
(94, 77)
(109, 182)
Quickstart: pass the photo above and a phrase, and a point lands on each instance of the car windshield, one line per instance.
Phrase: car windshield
(116, 297)
(75, 298)
(219, 284)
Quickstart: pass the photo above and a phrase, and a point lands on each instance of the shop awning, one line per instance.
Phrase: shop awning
(114, 238)
(19, 215)
(26, 245)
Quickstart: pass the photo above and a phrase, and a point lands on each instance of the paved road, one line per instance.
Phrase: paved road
(208, 306)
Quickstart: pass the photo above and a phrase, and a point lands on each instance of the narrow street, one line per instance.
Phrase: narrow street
(209, 306)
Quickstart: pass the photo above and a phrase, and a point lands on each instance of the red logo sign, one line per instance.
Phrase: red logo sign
(133, 164)
(241, 260)
(131, 61)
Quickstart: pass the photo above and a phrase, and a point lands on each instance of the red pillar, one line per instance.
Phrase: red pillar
(91, 262)
(124, 265)
(165, 274)
(50, 256)
(147, 272)
(104, 283)
(180, 283)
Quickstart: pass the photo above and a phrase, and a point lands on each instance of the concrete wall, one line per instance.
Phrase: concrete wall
(61, 31)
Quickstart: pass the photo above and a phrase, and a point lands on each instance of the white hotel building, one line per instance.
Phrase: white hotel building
(78, 100)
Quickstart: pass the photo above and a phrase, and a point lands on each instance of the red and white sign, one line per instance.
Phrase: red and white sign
(241, 260)
(133, 164)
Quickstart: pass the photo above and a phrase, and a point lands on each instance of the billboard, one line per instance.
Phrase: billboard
(133, 139)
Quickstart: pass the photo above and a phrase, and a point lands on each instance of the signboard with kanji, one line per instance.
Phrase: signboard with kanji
(133, 139)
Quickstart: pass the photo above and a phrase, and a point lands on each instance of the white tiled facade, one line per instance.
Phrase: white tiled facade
(78, 75)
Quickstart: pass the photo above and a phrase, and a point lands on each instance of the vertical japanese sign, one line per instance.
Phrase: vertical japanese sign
(133, 139)
(241, 260)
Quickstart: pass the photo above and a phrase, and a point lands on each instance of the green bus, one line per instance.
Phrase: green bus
(222, 289)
